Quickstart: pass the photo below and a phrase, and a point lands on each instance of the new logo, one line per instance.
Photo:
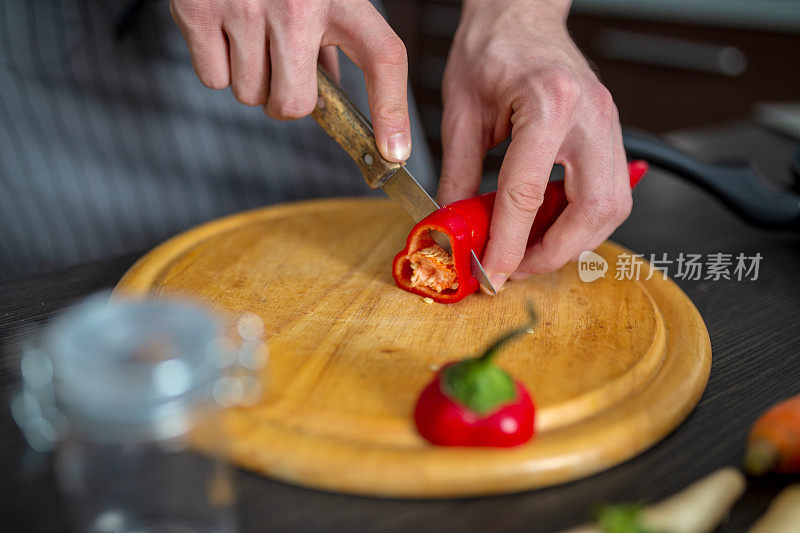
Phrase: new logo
(591, 266)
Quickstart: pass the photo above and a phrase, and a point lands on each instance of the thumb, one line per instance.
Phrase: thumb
(362, 33)
(387, 79)
(463, 150)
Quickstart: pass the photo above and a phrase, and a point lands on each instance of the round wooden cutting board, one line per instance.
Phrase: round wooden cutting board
(613, 366)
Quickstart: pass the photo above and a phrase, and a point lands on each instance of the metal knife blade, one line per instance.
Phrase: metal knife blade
(341, 119)
(409, 194)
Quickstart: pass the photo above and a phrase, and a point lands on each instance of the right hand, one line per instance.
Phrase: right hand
(513, 69)
(267, 52)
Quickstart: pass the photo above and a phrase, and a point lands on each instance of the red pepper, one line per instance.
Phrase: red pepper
(466, 224)
(473, 402)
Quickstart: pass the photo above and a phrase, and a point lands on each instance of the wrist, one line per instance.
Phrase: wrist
(555, 8)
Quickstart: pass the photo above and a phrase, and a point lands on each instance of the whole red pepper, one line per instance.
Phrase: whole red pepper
(466, 224)
(473, 402)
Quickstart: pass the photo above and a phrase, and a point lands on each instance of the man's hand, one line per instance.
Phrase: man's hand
(267, 51)
(514, 69)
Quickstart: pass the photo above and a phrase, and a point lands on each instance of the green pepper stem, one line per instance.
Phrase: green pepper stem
(489, 354)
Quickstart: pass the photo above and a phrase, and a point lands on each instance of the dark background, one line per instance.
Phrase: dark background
(679, 93)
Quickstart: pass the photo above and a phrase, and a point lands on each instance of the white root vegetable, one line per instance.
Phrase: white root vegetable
(783, 514)
(699, 508)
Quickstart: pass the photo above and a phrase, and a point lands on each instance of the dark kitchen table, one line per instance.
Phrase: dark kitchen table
(755, 337)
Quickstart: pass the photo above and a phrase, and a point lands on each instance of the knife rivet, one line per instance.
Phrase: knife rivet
(368, 159)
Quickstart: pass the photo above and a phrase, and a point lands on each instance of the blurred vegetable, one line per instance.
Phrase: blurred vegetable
(622, 518)
(774, 441)
(783, 514)
(699, 508)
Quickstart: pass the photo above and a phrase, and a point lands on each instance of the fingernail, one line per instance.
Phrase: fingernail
(497, 281)
(398, 146)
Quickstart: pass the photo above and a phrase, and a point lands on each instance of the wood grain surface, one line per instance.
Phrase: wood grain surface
(613, 366)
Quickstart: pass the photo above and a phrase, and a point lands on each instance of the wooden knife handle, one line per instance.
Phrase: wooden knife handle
(346, 125)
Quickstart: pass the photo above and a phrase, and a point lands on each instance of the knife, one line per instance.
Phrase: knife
(346, 125)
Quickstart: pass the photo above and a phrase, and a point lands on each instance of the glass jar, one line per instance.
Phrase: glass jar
(120, 390)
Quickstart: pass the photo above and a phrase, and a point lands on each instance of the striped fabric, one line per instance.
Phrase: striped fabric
(109, 147)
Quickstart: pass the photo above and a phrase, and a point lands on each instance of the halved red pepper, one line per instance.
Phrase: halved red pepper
(466, 224)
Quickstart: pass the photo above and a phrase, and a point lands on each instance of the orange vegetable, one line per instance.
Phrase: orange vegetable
(774, 441)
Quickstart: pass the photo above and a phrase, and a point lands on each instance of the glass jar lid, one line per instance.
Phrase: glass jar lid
(133, 369)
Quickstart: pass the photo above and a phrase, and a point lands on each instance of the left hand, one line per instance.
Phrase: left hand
(514, 69)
